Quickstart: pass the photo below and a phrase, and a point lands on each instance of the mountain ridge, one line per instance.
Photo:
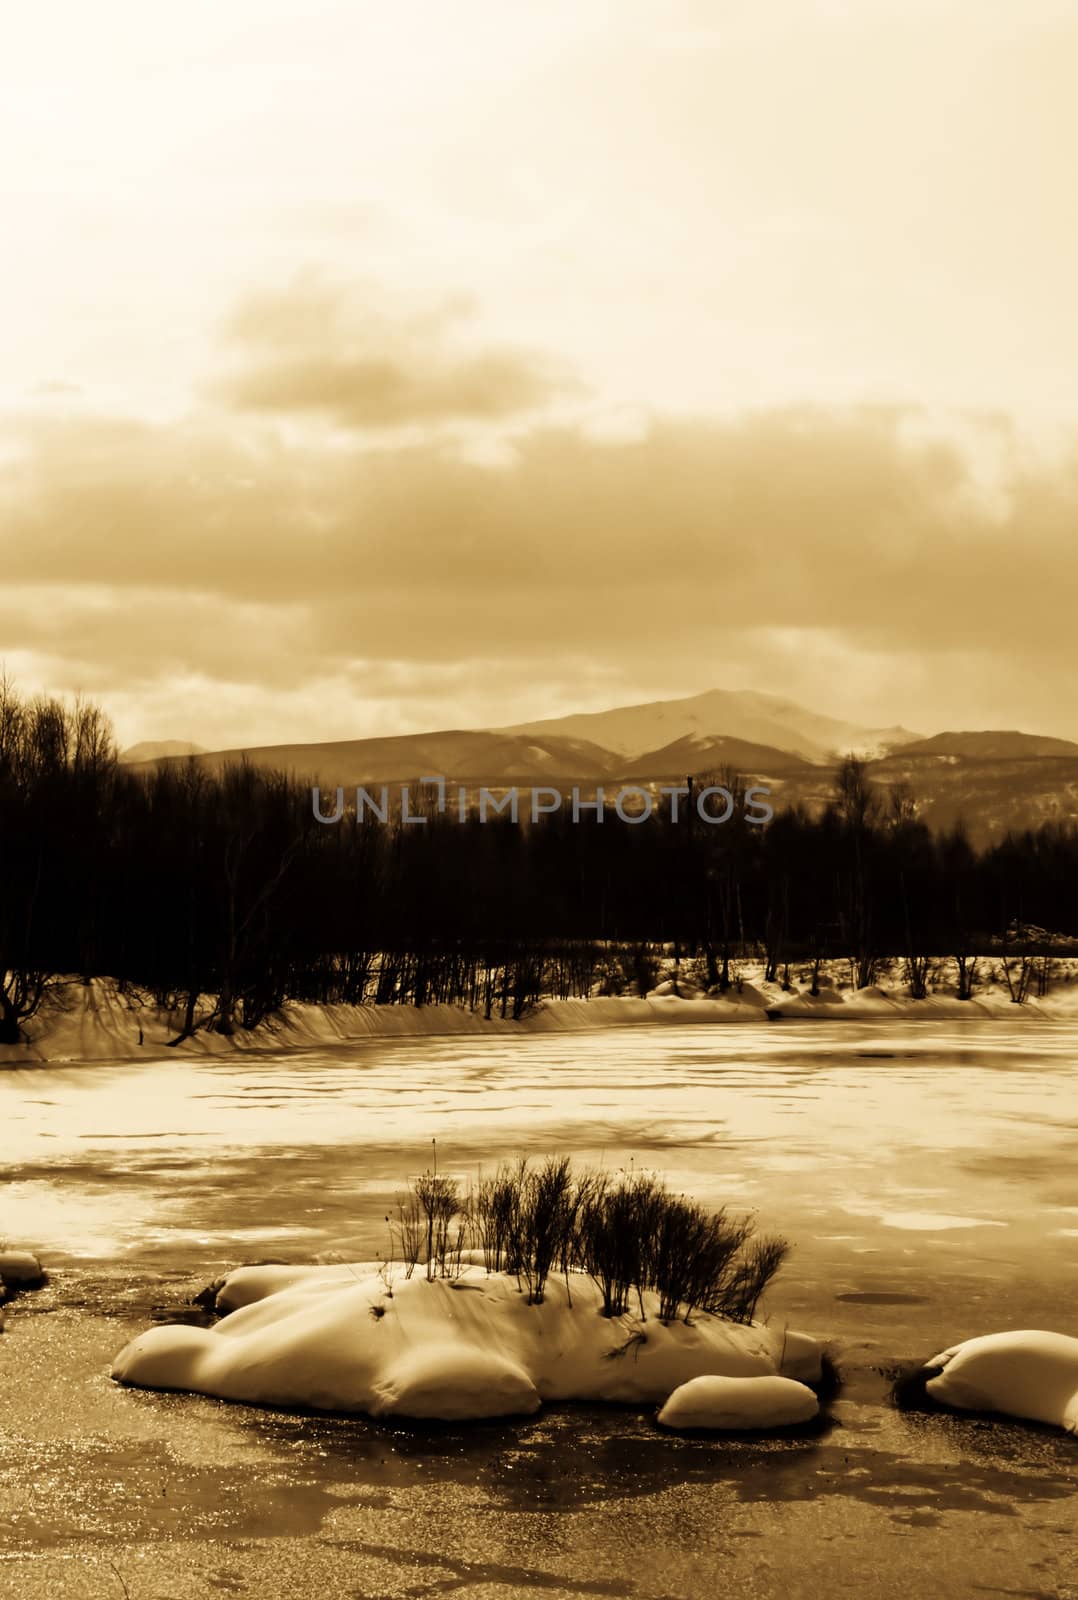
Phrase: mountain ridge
(991, 780)
(159, 750)
(990, 745)
(750, 714)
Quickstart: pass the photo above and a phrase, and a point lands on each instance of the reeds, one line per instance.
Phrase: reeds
(626, 1231)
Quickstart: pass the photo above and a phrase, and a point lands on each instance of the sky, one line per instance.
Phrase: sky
(367, 369)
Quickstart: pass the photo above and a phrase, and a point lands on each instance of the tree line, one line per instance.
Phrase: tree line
(222, 896)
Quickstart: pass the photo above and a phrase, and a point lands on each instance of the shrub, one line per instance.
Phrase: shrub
(753, 1272)
(629, 1234)
(635, 1235)
(423, 1229)
(616, 1233)
(547, 1220)
(439, 1202)
(525, 1221)
(600, 1245)
(406, 1235)
(497, 1220)
(693, 1256)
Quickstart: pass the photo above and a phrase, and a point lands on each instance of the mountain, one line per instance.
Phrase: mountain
(696, 754)
(761, 719)
(459, 755)
(993, 781)
(991, 796)
(990, 746)
(158, 750)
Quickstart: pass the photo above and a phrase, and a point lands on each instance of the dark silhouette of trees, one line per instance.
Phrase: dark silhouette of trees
(858, 805)
(217, 894)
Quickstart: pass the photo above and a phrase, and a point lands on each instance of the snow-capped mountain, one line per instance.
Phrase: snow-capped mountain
(762, 719)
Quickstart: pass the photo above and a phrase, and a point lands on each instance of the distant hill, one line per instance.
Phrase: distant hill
(747, 714)
(992, 797)
(696, 753)
(460, 755)
(158, 750)
(991, 746)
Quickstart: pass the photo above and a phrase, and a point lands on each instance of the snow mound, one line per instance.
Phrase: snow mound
(336, 1339)
(19, 1269)
(1027, 1374)
(450, 1382)
(739, 1403)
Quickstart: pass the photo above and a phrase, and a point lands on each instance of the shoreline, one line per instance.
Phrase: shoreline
(81, 1023)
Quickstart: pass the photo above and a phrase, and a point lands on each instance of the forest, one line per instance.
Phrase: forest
(192, 884)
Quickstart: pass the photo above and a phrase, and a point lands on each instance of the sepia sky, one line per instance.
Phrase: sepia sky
(368, 368)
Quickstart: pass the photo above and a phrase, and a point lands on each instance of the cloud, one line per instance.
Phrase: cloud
(858, 558)
(348, 356)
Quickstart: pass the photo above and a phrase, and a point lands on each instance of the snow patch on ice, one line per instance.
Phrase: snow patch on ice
(933, 1221)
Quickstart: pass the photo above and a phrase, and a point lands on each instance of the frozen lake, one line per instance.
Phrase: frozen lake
(907, 1160)
(927, 1176)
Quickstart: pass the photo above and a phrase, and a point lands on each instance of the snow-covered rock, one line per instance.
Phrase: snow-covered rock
(19, 1269)
(453, 1382)
(334, 1338)
(1027, 1374)
(729, 1403)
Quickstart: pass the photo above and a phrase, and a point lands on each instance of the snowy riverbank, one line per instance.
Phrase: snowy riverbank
(97, 1021)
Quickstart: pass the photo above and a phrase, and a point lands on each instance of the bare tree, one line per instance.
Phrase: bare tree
(857, 802)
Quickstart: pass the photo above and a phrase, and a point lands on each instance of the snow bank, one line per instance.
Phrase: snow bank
(875, 1004)
(1028, 1374)
(336, 1339)
(729, 1403)
(96, 1022)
